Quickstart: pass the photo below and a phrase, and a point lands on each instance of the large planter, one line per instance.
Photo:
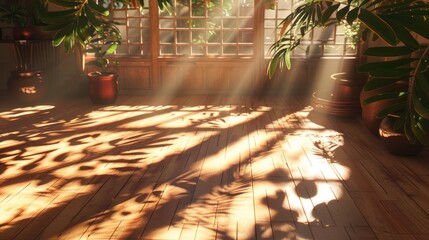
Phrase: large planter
(27, 86)
(370, 111)
(395, 141)
(103, 89)
(343, 99)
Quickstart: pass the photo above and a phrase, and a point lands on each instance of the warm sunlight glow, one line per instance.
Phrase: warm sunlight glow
(185, 168)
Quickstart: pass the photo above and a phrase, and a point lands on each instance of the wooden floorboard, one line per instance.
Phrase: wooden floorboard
(202, 167)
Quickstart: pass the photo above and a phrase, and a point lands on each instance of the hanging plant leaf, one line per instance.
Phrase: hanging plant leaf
(342, 13)
(367, 67)
(388, 51)
(378, 26)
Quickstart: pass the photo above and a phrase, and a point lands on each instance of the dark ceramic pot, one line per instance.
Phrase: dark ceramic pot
(27, 86)
(395, 141)
(103, 89)
(370, 111)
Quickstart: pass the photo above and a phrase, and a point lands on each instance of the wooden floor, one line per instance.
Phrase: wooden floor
(202, 168)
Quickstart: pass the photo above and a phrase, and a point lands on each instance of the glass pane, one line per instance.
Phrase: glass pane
(283, 14)
(246, 23)
(198, 50)
(183, 23)
(183, 37)
(229, 23)
(182, 10)
(134, 39)
(198, 8)
(133, 32)
(135, 49)
(144, 11)
(198, 37)
(198, 23)
(269, 36)
(229, 50)
(122, 49)
(166, 23)
(166, 37)
(214, 23)
(133, 22)
(324, 34)
(123, 30)
(270, 23)
(119, 14)
(270, 14)
(166, 50)
(315, 50)
(145, 22)
(246, 9)
(246, 37)
(300, 50)
(184, 50)
(132, 13)
(246, 50)
(229, 37)
(214, 50)
(214, 36)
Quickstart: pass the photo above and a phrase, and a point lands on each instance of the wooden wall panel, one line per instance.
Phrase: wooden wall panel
(134, 78)
(181, 78)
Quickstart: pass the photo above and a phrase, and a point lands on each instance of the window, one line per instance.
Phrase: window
(321, 42)
(202, 28)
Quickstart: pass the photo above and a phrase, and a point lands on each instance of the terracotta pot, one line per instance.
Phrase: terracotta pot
(23, 33)
(343, 99)
(348, 86)
(27, 86)
(103, 89)
(370, 111)
(395, 141)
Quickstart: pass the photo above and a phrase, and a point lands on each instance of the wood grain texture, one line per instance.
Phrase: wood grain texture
(202, 167)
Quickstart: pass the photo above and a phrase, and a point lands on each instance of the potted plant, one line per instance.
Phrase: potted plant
(85, 24)
(400, 26)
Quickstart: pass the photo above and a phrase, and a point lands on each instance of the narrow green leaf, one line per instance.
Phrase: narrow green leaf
(390, 73)
(376, 83)
(378, 26)
(328, 13)
(111, 49)
(418, 130)
(408, 131)
(92, 19)
(388, 64)
(388, 51)
(394, 108)
(385, 96)
(422, 83)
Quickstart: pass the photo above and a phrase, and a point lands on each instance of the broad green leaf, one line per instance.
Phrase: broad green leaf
(287, 59)
(420, 108)
(388, 64)
(418, 130)
(376, 83)
(408, 131)
(388, 51)
(62, 34)
(378, 26)
(394, 108)
(415, 24)
(342, 13)
(422, 83)
(390, 73)
(352, 16)
(328, 12)
(385, 96)
(403, 34)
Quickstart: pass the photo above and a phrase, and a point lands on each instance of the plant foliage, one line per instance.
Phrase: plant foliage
(401, 25)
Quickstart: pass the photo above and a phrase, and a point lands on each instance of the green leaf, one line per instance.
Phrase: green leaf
(378, 26)
(420, 108)
(390, 73)
(100, 9)
(394, 108)
(415, 24)
(342, 13)
(422, 83)
(404, 35)
(385, 96)
(112, 48)
(328, 13)
(408, 130)
(376, 83)
(388, 51)
(92, 19)
(418, 130)
(352, 16)
(64, 3)
(388, 64)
